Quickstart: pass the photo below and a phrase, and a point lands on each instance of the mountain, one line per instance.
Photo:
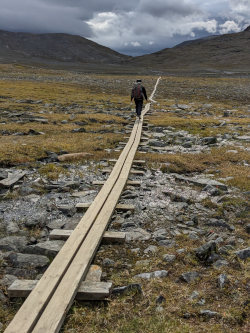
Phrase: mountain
(229, 51)
(19, 46)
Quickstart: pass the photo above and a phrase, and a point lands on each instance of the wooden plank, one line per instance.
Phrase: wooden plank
(53, 315)
(30, 312)
(88, 290)
(134, 162)
(85, 206)
(129, 182)
(109, 237)
(133, 172)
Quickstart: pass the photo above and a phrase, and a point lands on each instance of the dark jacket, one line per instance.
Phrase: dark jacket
(144, 93)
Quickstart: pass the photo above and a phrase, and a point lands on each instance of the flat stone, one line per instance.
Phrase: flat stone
(137, 234)
(108, 262)
(189, 276)
(243, 254)
(12, 179)
(220, 263)
(167, 242)
(124, 289)
(56, 224)
(38, 218)
(7, 280)
(152, 275)
(27, 261)
(68, 210)
(151, 249)
(202, 181)
(209, 314)
(169, 257)
(13, 243)
(48, 248)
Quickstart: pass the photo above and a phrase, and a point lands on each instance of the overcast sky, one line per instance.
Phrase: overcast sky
(128, 26)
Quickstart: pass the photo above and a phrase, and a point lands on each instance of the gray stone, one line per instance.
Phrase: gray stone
(151, 249)
(247, 228)
(13, 243)
(189, 276)
(3, 299)
(220, 263)
(3, 174)
(124, 289)
(27, 261)
(7, 280)
(160, 234)
(12, 179)
(160, 299)
(169, 257)
(48, 248)
(243, 254)
(138, 234)
(152, 275)
(222, 280)
(108, 262)
(167, 243)
(11, 227)
(206, 250)
(56, 224)
(68, 210)
(209, 314)
(195, 294)
(209, 140)
(38, 218)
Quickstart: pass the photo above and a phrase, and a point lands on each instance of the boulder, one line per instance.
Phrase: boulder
(243, 254)
(205, 251)
(189, 276)
(13, 243)
(27, 261)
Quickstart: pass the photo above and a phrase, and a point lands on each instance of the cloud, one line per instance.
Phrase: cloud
(229, 26)
(127, 26)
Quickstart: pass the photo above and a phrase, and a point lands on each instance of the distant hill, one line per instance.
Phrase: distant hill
(222, 52)
(229, 51)
(18, 46)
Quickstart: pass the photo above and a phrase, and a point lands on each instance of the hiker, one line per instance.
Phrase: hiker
(138, 93)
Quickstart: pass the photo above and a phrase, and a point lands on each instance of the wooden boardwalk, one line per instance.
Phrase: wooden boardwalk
(46, 306)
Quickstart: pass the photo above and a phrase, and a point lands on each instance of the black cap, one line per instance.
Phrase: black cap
(138, 80)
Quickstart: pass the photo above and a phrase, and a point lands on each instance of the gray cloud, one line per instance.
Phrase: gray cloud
(127, 26)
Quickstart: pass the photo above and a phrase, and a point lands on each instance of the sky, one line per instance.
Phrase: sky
(127, 26)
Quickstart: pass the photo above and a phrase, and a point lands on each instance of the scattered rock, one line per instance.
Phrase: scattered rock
(222, 280)
(195, 294)
(205, 251)
(160, 300)
(27, 261)
(189, 276)
(169, 258)
(124, 289)
(152, 275)
(7, 280)
(13, 243)
(151, 249)
(167, 243)
(12, 179)
(243, 254)
(48, 248)
(247, 228)
(220, 263)
(68, 210)
(209, 314)
(137, 234)
(108, 262)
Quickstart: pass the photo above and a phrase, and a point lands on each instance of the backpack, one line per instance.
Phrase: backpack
(137, 92)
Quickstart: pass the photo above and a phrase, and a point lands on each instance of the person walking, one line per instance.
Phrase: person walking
(138, 94)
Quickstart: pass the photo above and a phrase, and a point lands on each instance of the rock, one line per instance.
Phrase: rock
(183, 106)
(68, 210)
(201, 181)
(108, 262)
(219, 223)
(137, 234)
(220, 263)
(11, 227)
(209, 140)
(56, 224)
(3, 299)
(156, 274)
(247, 228)
(160, 234)
(13, 243)
(79, 130)
(169, 257)
(48, 248)
(167, 243)
(124, 289)
(212, 190)
(242, 254)
(160, 299)
(3, 174)
(151, 249)
(38, 218)
(12, 179)
(205, 251)
(27, 261)
(34, 132)
(195, 294)
(222, 280)
(7, 280)
(156, 143)
(189, 276)
(209, 314)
